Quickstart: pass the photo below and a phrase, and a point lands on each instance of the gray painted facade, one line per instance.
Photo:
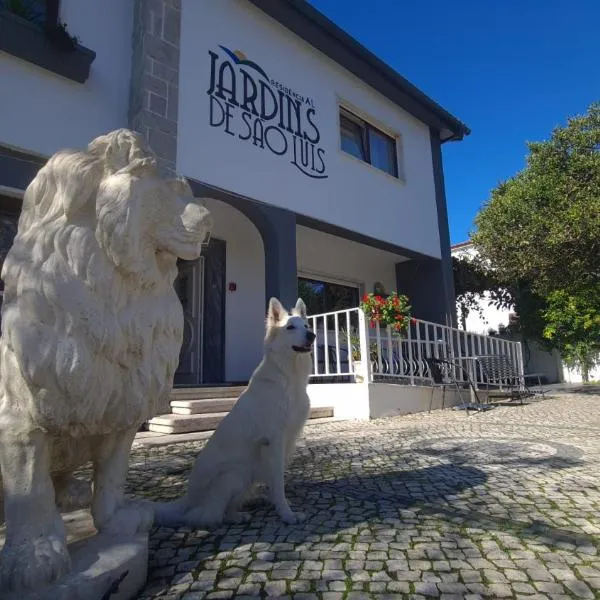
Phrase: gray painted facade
(428, 282)
(277, 228)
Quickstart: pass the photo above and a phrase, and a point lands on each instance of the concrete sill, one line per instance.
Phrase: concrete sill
(28, 42)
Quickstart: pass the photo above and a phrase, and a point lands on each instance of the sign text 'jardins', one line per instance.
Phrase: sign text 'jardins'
(247, 104)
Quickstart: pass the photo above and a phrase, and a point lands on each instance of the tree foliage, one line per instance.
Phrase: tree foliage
(573, 324)
(540, 231)
(472, 280)
(543, 225)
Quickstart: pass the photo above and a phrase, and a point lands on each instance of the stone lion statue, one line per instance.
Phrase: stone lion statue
(91, 334)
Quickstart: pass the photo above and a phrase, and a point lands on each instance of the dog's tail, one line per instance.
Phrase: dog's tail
(170, 514)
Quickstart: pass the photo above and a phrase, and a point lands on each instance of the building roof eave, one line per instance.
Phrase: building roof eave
(316, 29)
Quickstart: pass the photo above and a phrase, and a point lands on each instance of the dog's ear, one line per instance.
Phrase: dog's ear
(276, 312)
(300, 308)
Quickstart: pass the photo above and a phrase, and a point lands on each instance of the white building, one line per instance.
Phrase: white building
(489, 316)
(320, 164)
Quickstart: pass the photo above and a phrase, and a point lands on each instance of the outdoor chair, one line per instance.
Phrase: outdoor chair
(442, 374)
(502, 377)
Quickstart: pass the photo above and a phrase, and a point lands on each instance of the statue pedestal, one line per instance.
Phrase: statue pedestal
(103, 567)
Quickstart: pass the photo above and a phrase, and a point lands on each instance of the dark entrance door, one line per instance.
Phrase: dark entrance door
(189, 288)
(8, 231)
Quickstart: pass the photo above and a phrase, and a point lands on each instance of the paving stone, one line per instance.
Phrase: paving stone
(594, 583)
(500, 590)
(522, 588)
(549, 587)
(471, 576)
(377, 586)
(579, 588)
(423, 505)
(249, 589)
(515, 575)
(427, 589)
(398, 587)
(275, 588)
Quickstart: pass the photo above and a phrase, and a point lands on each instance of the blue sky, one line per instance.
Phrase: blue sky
(510, 69)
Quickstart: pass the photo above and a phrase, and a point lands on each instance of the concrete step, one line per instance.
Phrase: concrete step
(320, 412)
(152, 438)
(185, 423)
(188, 423)
(207, 393)
(197, 407)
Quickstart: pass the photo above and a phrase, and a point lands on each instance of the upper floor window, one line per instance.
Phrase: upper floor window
(40, 12)
(364, 141)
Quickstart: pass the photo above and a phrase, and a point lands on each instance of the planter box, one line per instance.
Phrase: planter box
(360, 371)
(28, 42)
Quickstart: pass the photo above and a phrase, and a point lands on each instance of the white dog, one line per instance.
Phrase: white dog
(256, 440)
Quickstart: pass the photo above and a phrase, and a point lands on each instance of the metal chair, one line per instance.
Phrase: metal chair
(442, 374)
(500, 372)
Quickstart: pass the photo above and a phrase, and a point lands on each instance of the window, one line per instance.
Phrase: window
(324, 296)
(40, 12)
(364, 141)
(32, 31)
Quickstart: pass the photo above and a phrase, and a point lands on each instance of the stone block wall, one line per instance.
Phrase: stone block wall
(154, 92)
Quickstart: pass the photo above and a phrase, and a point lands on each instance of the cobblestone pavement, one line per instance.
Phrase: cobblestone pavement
(502, 504)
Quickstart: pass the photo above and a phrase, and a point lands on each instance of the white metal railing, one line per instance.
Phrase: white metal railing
(346, 344)
(337, 335)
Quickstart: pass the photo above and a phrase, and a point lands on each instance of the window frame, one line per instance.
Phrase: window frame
(52, 12)
(366, 128)
(48, 16)
(318, 278)
(43, 44)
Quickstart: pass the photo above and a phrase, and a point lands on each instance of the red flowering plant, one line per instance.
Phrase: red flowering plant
(393, 310)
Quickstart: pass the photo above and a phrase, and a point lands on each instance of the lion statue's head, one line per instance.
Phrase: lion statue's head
(142, 222)
(90, 314)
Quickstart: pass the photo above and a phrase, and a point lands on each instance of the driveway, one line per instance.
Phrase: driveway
(503, 504)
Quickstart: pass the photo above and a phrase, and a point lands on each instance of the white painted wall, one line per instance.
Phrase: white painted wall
(573, 375)
(244, 308)
(322, 255)
(348, 400)
(355, 195)
(391, 400)
(379, 400)
(43, 112)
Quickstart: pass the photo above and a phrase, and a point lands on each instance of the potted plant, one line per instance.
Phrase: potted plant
(359, 367)
(393, 311)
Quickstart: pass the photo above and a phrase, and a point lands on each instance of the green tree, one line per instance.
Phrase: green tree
(573, 324)
(542, 229)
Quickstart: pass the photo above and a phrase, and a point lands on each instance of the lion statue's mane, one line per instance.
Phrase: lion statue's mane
(110, 355)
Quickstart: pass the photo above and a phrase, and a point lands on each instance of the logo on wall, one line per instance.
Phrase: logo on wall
(250, 106)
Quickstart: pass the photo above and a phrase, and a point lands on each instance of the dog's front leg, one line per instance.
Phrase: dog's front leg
(275, 457)
(35, 551)
(111, 511)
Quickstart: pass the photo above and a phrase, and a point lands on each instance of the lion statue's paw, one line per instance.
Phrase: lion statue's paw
(33, 563)
(134, 516)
